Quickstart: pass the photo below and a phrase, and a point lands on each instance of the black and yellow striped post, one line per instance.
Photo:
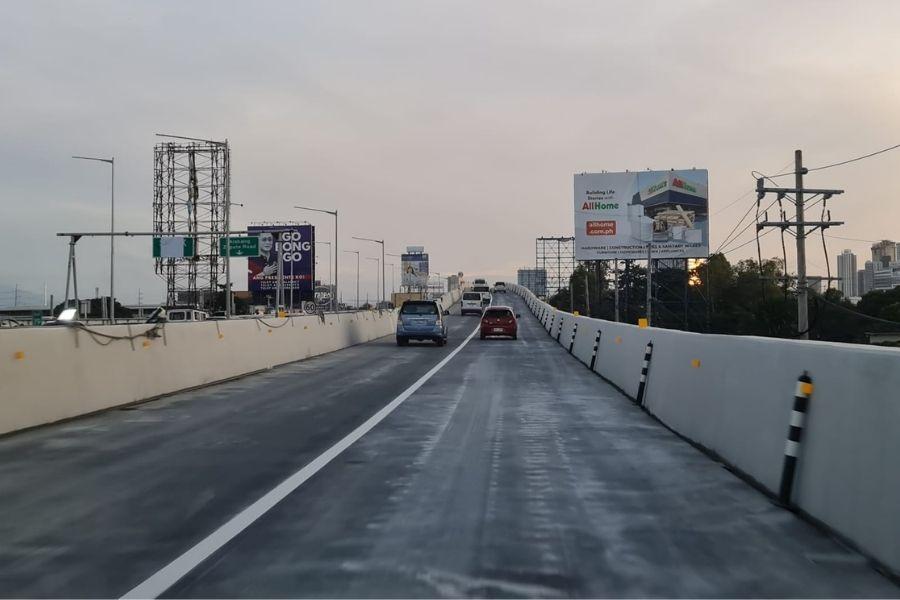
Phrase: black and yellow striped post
(645, 368)
(552, 321)
(572, 341)
(559, 329)
(795, 433)
(594, 351)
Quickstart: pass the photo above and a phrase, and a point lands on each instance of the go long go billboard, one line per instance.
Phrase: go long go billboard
(298, 259)
(617, 215)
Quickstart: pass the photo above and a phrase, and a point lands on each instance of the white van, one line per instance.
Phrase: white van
(470, 303)
(185, 314)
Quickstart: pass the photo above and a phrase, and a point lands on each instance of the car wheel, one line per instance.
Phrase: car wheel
(483, 336)
(402, 341)
(515, 337)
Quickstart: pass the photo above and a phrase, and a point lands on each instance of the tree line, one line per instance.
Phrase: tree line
(742, 298)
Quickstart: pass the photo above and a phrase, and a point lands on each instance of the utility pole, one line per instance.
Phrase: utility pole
(802, 292)
(587, 297)
(616, 285)
(649, 284)
(799, 224)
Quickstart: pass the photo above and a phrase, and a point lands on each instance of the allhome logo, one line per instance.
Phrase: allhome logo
(680, 183)
(600, 206)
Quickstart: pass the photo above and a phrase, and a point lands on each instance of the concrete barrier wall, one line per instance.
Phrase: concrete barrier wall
(450, 298)
(53, 373)
(734, 396)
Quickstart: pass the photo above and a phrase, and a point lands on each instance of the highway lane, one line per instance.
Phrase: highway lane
(513, 471)
(517, 472)
(93, 506)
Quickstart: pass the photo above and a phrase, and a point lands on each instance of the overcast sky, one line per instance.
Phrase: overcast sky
(453, 125)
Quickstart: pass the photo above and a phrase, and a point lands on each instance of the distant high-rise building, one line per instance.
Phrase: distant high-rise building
(868, 278)
(846, 268)
(533, 279)
(884, 253)
(861, 282)
(886, 278)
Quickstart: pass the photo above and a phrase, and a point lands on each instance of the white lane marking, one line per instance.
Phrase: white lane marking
(169, 575)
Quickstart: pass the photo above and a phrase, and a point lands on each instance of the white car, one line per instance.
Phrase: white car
(499, 286)
(470, 303)
(185, 314)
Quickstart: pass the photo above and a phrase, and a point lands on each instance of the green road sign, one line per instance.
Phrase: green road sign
(173, 246)
(241, 246)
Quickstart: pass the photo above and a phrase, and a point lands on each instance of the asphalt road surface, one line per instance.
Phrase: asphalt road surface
(512, 471)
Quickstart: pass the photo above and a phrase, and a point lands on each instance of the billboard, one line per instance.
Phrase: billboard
(617, 215)
(298, 260)
(415, 270)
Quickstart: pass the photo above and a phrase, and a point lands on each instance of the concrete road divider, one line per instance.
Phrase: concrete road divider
(52, 373)
(733, 395)
(48, 374)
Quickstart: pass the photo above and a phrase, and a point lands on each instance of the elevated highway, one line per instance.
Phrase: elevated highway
(483, 468)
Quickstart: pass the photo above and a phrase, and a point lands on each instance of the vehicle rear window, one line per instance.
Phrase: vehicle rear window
(471, 296)
(423, 308)
(496, 313)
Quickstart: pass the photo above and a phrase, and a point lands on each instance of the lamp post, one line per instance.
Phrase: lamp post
(400, 265)
(333, 213)
(112, 228)
(330, 281)
(356, 252)
(393, 288)
(382, 259)
(377, 264)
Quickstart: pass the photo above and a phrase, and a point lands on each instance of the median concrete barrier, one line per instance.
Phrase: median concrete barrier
(52, 373)
(734, 396)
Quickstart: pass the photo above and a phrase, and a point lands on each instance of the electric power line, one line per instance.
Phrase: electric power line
(849, 160)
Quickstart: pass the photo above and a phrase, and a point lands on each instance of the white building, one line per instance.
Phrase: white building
(846, 271)
(887, 278)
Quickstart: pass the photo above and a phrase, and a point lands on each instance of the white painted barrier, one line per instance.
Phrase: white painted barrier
(52, 373)
(734, 396)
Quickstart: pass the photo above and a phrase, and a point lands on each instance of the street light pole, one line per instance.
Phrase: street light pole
(330, 281)
(356, 252)
(392, 274)
(112, 228)
(393, 289)
(377, 261)
(333, 213)
(382, 259)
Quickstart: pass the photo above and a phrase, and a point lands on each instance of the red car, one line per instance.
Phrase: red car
(499, 321)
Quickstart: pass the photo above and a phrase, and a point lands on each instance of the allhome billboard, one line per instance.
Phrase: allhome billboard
(618, 215)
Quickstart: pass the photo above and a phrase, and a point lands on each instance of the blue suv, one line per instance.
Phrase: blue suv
(421, 320)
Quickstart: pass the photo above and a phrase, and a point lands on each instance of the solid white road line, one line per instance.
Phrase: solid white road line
(166, 577)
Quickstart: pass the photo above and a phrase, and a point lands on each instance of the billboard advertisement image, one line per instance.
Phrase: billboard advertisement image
(618, 214)
(298, 259)
(415, 270)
